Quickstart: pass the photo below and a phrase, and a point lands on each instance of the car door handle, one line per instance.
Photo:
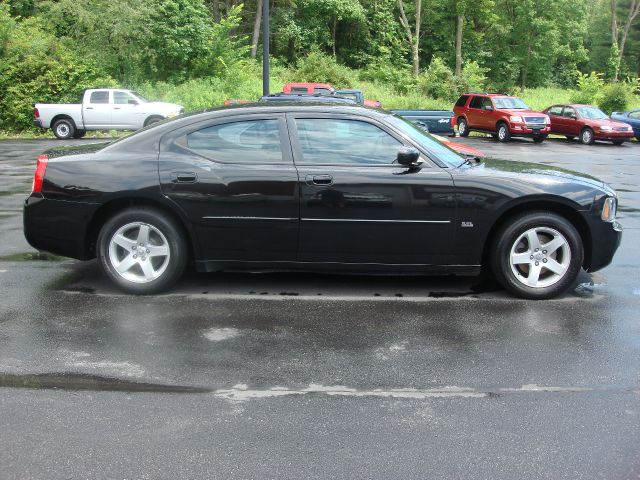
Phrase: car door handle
(88, 108)
(116, 108)
(319, 179)
(184, 177)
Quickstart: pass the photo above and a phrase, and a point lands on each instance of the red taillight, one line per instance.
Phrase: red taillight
(36, 113)
(38, 176)
(453, 121)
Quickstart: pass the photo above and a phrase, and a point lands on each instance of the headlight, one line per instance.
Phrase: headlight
(515, 119)
(609, 210)
(606, 128)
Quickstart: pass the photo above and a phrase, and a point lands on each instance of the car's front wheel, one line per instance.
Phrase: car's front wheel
(587, 137)
(537, 255)
(503, 132)
(142, 250)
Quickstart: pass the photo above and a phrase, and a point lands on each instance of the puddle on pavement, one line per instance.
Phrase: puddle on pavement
(32, 256)
(78, 381)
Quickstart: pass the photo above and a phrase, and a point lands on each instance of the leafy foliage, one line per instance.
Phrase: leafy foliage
(589, 88)
(616, 97)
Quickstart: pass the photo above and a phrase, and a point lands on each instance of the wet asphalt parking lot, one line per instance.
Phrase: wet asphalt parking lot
(317, 376)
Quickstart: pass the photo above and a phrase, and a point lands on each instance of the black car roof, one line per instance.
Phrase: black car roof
(152, 133)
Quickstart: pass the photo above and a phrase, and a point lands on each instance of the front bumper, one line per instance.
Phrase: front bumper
(57, 226)
(605, 240)
(523, 130)
(599, 135)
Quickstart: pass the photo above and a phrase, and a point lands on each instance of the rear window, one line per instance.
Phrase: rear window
(322, 91)
(299, 90)
(462, 101)
(99, 97)
(476, 102)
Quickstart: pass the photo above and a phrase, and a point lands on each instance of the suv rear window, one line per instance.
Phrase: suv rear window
(462, 101)
(476, 102)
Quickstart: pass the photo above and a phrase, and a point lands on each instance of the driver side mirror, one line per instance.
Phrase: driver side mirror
(573, 116)
(408, 156)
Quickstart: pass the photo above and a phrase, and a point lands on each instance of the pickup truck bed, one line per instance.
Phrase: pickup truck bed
(434, 121)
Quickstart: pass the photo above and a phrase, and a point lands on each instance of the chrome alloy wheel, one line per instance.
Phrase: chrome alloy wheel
(62, 130)
(586, 136)
(540, 257)
(502, 132)
(462, 127)
(139, 252)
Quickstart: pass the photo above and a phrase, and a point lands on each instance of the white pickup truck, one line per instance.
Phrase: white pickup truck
(102, 109)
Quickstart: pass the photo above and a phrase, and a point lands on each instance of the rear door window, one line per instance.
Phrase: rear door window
(568, 112)
(253, 141)
(476, 102)
(99, 97)
(556, 110)
(462, 101)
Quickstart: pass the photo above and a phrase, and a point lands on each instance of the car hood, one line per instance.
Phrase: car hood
(535, 173)
(603, 122)
(517, 111)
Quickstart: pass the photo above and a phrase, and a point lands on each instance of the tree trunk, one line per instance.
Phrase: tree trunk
(412, 38)
(333, 35)
(634, 11)
(215, 7)
(256, 30)
(459, 25)
(614, 21)
(525, 67)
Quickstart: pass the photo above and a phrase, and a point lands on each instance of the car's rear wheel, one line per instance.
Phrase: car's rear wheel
(503, 132)
(587, 137)
(539, 138)
(64, 129)
(537, 255)
(142, 250)
(463, 127)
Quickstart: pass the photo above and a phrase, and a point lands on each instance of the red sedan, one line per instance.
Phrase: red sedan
(588, 123)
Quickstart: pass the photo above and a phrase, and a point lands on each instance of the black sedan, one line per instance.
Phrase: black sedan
(314, 187)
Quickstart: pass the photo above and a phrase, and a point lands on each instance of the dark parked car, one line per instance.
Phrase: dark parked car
(630, 118)
(314, 187)
(588, 123)
(440, 122)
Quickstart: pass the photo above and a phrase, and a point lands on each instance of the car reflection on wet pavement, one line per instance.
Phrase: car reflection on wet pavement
(300, 375)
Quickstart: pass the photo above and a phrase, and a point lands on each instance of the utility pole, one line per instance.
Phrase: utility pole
(265, 47)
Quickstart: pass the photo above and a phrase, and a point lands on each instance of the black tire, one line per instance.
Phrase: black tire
(502, 132)
(152, 119)
(463, 127)
(569, 137)
(64, 128)
(587, 137)
(515, 278)
(539, 138)
(169, 267)
(617, 142)
(79, 133)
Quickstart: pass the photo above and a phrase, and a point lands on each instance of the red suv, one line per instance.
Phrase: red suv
(501, 115)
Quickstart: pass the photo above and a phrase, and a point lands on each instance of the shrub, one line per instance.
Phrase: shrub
(438, 81)
(589, 88)
(36, 67)
(400, 79)
(321, 68)
(473, 77)
(616, 97)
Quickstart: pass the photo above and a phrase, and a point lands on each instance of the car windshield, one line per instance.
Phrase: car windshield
(140, 97)
(513, 103)
(592, 113)
(430, 144)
